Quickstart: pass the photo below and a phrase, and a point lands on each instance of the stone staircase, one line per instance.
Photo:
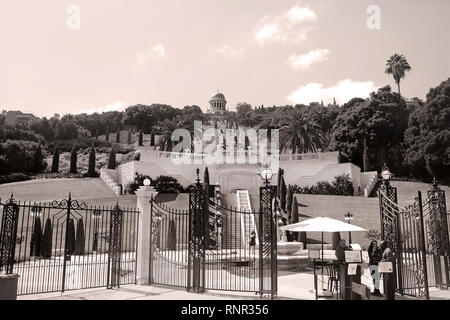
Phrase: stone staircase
(248, 224)
(109, 176)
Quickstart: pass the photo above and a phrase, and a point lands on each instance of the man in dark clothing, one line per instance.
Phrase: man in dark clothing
(389, 279)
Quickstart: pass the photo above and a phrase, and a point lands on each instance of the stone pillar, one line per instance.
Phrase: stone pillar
(8, 285)
(144, 196)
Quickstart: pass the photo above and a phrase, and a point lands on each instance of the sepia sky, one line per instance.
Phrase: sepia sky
(180, 52)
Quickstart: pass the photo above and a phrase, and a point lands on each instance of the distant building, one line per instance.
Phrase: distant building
(217, 107)
(14, 117)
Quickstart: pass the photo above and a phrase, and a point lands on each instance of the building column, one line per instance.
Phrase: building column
(144, 196)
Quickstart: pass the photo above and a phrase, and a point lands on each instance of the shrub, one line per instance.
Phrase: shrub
(14, 177)
(118, 136)
(152, 140)
(373, 234)
(341, 186)
(162, 184)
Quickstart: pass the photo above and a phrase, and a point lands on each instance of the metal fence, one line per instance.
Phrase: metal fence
(67, 245)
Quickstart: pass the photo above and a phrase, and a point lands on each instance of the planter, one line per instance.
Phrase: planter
(8, 285)
(288, 248)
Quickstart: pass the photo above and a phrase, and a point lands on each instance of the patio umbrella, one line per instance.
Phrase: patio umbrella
(321, 224)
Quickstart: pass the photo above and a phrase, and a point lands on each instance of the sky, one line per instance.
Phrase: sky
(60, 56)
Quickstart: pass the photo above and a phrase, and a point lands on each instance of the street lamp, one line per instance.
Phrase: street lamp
(147, 182)
(385, 173)
(349, 217)
(266, 174)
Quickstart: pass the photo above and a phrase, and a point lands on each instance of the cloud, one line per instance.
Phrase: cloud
(343, 91)
(228, 51)
(117, 106)
(288, 27)
(152, 51)
(304, 61)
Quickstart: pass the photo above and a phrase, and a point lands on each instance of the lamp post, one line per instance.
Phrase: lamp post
(218, 202)
(391, 192)
(266, 174)
(349, 217)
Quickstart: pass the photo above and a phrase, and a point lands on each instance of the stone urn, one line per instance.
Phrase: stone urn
(285, 248)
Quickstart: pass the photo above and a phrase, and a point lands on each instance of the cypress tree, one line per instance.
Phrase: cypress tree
(96, 134)
(46, 245)
(73, 160)
(206, 182)
(152, 140)
(112, 159)
(107, 134)
(91, 168)
(80, 238)
(141, 138)
(55, 161)
(129, 136)
(295, 216)
(172, 236)
(118, 136)
(289, 196)
(38, 160)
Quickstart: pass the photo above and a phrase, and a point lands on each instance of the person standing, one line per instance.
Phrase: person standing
(340, 251)
(375, 256)
(389, 279)
(252, 243)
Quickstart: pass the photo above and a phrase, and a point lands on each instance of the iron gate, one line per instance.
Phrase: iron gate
(67, 245)
(210, 246)
(418, 235)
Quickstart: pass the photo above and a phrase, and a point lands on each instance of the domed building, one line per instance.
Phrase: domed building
(217, 107)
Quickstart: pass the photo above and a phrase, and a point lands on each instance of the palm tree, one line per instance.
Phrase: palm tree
(167, 127)
(397, 65)
(299, 134)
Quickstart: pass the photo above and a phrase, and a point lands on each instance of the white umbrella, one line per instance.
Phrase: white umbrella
(322, 224)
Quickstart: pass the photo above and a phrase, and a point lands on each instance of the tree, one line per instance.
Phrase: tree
(172, 236)
(164, 141)
(107, 134)
(91, 165)
(112, 159)
(427, 139)
(80, 239)
(129, 136)
(141, 138)
(397, 66)
(370, 128)
(39, 163)
(118, 136)
(73, 160)
(289, 199)
(46, 245)
(55, 161)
